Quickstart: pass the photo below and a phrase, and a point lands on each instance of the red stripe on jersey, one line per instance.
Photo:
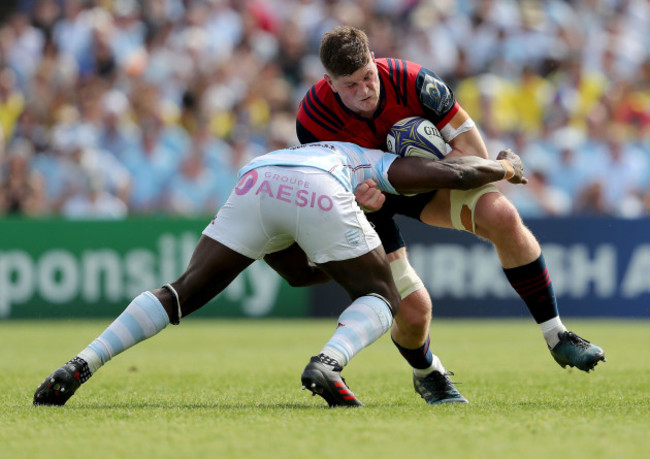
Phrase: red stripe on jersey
(313, 107)
(445, 121)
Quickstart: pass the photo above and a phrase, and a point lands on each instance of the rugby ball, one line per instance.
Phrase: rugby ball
(416, 136)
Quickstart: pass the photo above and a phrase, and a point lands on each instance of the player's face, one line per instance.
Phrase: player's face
(359, 91)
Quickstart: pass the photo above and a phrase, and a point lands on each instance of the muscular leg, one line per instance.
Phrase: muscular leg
(369, 273)
(292, 264)
(368, 281)
(410, 334)
(212, 267)
(367, 318)
(410, 331)
(497, 220)
(521, 258)
(411, 326)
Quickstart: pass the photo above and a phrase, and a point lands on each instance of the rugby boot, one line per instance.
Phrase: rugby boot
(62, 384)
(437, 388)
(576, 352)
(322, 376)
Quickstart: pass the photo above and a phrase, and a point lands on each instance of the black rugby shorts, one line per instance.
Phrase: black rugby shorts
(385, 225)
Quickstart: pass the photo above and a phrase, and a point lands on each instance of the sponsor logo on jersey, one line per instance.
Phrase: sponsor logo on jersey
(435, 94)
(247, 182)
(285, 188)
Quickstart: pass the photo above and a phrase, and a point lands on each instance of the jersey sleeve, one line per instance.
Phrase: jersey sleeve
(380, 171)
(437, 99)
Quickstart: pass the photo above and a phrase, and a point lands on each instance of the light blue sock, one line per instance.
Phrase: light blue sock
(360, 325)
(143, 318)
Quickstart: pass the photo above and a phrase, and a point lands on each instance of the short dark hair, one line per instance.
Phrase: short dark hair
(344, 50)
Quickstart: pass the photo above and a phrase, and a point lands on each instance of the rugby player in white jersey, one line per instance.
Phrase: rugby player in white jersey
(300, 198)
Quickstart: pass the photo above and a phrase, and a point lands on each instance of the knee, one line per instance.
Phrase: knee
(415, 310)
(497, 216)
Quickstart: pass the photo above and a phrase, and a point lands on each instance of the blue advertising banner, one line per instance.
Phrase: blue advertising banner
(600, 267)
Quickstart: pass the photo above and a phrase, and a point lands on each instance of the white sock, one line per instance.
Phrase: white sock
(360, 325)
(550, 329)
(436, 365)
(143, 318)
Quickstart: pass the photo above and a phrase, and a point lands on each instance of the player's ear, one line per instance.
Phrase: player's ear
(329, 81)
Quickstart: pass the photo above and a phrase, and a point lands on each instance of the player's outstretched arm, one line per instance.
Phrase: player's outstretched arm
(418, 175)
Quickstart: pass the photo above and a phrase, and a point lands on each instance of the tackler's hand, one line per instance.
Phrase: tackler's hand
(512, 165)
(369, 197)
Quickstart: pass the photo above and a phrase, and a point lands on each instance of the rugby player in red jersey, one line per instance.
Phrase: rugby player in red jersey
(358, 100)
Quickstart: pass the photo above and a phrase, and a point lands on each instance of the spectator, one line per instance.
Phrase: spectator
(152, 164)
(12, 103)
(94, 201)
(533, 69)
(622, 175)
(541, 199)
(117, 134)
(73, 34)
(591, 201)
(192, 192)
(26, 48)
(570, 172)
(22, 190)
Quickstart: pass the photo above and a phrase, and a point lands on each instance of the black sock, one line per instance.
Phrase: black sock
(420, 358)
(533, 284)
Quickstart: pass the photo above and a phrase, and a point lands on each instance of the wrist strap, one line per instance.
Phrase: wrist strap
(508, 170)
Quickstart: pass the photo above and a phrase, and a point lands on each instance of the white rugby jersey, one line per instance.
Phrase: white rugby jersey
(349, 163)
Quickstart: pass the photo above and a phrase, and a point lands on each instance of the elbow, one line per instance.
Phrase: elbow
(462, 180)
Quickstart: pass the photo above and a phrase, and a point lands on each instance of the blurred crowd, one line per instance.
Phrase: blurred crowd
(124, 107)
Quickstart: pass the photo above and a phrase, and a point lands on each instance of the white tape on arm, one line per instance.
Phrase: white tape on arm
(449, 133)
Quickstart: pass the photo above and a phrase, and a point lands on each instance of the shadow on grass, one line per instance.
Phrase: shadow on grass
(186, 406)
(225, 406)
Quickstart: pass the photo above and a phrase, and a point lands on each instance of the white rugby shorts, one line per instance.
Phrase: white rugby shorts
(272, 206)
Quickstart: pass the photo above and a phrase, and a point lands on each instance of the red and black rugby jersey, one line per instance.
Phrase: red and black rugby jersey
(407, 89)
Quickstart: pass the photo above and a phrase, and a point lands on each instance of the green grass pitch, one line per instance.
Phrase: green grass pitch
(218, 388)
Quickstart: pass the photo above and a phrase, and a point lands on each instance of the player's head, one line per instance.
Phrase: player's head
(344, 50)
(351, 70)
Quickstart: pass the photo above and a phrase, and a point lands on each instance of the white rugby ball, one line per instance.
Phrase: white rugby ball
(416, 136)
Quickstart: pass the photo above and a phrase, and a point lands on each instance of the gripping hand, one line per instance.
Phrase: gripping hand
(369, 197)
(514, 168)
